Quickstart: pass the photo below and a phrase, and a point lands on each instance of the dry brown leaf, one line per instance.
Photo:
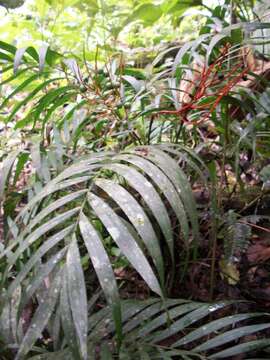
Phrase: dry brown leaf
(258, 252)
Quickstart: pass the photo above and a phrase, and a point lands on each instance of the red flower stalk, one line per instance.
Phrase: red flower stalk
(210, 77)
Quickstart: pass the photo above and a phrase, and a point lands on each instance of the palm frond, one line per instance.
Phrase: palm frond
(58, 226)
(154, 329)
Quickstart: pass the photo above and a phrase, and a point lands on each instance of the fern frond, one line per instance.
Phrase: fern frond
(237, 236)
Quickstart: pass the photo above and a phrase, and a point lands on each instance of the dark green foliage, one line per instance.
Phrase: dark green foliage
(112, 182)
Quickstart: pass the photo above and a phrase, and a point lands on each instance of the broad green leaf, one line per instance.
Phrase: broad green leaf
(37, 256)
(131, 309)
(231, 335)
(38, 279)
(57, 103)
(77, 295)
(241, 348)
(103, 268)
(71, 112)
(146, 314)
(188, 319)
(150, 197)
(138, 218)
(52, 187)
(5, 57)
(49, 98)
(19, 88)
(6, 169)
(30, 97)
(8, 47)
(174, 6)
(165, 185)
(33, 53)
(22, 159)
(40, 318)
(8, 317)
(147, 13)
(187, 155)
(213, 327)
(66, 317)
(65, 200)
(165, 317)
(125, 241)
(55, 184)
(14, 76)
(36, 234)
(180, 181)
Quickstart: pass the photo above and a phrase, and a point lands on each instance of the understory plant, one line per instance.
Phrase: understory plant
(59, 252)
(114, 153)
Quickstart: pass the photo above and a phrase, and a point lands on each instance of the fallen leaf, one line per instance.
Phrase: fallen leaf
(258, 252)
(229, 272)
